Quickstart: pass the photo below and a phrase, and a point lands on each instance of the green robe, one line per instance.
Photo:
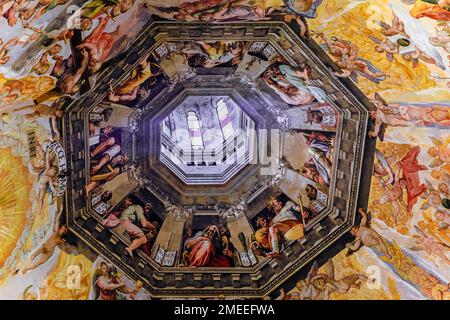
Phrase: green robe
(94, 7)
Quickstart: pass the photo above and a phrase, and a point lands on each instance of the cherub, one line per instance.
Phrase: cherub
(396, 27)
(440, 152)
(39, 163)
(433, 197)
(424, 242)
(314, 287)
(46, 250)
(366, 236)
(4, 50)
(344, 284)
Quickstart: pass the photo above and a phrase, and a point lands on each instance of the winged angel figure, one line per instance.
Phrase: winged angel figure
(411, 46)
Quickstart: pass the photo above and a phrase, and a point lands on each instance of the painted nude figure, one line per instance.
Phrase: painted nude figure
(397, 115)
(434, 196)
(366, 236)
(99, 44)
(107, 284)
(440, 151)
(393, 195)
(319, 286)
(397, 41)
(46, 250)
(68, 78)
(4, 50)
(348, 60)
(290, 84)
(424, 242)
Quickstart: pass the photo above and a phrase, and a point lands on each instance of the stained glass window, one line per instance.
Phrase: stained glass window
(224, 119)
(195, 131)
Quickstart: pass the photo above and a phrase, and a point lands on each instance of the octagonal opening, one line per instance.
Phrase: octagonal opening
(207, 139)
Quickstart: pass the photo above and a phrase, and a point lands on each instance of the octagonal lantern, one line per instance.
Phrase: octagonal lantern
(207, 140)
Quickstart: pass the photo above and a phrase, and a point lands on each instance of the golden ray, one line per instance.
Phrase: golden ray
(15, 187)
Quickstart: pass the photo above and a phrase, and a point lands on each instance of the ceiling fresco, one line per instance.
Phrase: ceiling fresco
(260, 149)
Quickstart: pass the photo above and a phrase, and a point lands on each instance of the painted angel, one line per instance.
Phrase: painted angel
(410, 172)
(443, 219)
(405, 48)
(440, 151)
(417, 47)
(314, 286)
(394, 195)
(5, 48)
(424, 242)
(382, 117)
(46, 250)
(383, 168)
(366, 236)
(434, 197)
(319, 286)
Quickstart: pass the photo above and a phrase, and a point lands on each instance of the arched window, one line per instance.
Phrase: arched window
(166, 127)
(224, 119)
(195, 131)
